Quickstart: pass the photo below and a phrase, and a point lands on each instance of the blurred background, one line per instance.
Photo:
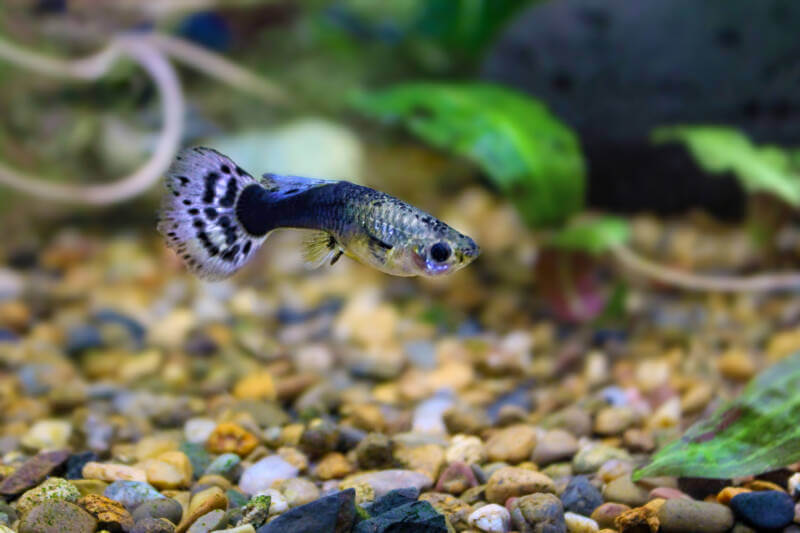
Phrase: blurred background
(563, 135)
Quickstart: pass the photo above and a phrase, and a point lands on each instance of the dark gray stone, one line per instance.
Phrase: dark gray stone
(334, 513)
(581, 497)
(417, 517)
(769, 509)
(76, 462)
(394, 498)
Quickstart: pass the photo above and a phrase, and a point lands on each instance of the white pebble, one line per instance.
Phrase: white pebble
(794, 484)
(197, 430)
(260, 476)
(491, 518)
(580, 524)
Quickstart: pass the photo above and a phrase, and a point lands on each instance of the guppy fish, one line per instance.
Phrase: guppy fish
(215, 216)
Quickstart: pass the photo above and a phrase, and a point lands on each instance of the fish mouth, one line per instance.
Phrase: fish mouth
(472, 252)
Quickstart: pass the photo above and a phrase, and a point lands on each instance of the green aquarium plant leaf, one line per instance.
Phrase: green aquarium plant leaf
(755, 433)
(594, 236)
(527, 152)
(766, 169)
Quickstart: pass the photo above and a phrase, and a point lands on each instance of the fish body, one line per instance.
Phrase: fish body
(216, 215)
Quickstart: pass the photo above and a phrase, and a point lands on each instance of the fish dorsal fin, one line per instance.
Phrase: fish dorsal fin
(283, 186)
(319, 247)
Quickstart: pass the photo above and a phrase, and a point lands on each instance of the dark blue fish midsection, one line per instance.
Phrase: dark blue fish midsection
(331, 207)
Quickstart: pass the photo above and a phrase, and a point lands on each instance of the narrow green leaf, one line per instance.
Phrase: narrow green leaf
(524, 149)
(755, 433)
(594, 236)
(760, 169)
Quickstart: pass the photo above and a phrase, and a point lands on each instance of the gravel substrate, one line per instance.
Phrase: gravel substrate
(136, 399)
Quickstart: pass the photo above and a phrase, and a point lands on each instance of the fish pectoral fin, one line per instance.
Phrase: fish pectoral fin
(377, 247)
(318, 247)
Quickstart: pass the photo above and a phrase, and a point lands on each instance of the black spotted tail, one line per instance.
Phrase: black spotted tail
(198, 216)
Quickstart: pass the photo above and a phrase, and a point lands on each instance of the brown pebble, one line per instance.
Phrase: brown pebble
(510, 481)
(33, 471)
(639, 520)
(231, 438)
(110, 514)
(761, 485)
(607, 513)
(726, 495)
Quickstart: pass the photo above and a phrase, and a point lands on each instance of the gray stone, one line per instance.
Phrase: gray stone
(681, 515)
(131, 494)
(159, 508)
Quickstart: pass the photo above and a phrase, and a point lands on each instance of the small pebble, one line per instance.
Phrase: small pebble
(581, 496)
(513, 444)
(260, 475)
(680, 515)
(580, 524)
(211, 521)
(153, 525)
(510, 481)
(57, 517)
(166, 508)
(113, 472)
(607, 513)
(491, 518)
(764, 509)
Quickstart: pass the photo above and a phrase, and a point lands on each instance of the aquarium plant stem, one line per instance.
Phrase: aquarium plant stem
(685, 280)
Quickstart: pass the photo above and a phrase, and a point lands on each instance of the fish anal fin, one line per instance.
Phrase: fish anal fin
(318, 247)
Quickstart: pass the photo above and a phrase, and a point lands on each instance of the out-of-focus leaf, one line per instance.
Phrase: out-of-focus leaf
(594, 236)
(529, 154)
(755, 433)
(760, 169)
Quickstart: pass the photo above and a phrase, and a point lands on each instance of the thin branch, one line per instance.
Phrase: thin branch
(89, 68)
(163, 75)
(220, 68)
(685, 280)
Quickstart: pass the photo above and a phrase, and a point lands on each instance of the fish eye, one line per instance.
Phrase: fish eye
(440, 252)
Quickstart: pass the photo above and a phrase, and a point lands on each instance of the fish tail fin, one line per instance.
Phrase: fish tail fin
(198, 215)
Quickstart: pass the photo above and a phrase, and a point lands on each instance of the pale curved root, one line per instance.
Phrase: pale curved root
(144, 53)
(770, 282)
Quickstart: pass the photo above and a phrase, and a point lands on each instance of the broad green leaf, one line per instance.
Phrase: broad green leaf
(524, 149)
(755, 433)
(594, 236)
(766, 169)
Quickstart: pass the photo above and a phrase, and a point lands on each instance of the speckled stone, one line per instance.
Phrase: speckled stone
(57, 517)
